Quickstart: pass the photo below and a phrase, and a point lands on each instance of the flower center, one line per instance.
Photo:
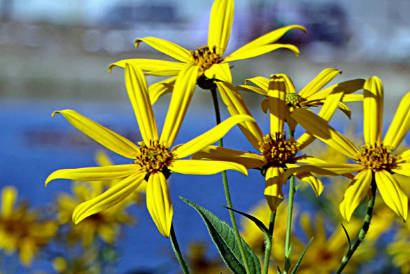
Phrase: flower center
(377, 157)
(278, 150)
(294, 100)
(205, 57)
(154, 157)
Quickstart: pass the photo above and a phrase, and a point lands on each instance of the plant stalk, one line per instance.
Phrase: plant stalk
(269, 243)
(177, 251)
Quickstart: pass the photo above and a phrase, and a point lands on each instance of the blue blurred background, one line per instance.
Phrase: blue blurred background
(55, 55)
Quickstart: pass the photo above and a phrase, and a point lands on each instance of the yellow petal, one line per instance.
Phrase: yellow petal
(109, 198)
(400, 124)
(166, 47)
(260, 81)
(102, 159)
(392, 194)
(248, 159)
(265, 105)
(220, 25)
(159, 203)
(151, 66)
(236, 106)
(210, 137)
(253, 89)
(257, 51)
(314, 182)
(323, 131)
(93, 173)
(373, 111)
(273, 189)
(277, 104)
(221, 72)
(266, 39)
(181, 97)
(324, 77)
(355, 193)
(324, 169)
(8, 199)
(100, 134)
(199, 167)
(347, 87)
(138, 93)
(402, 169)
(158, 89)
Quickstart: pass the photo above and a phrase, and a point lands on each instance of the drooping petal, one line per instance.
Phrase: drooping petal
(314, 182)
(151, 66)
(100, 134)
(248, 159)
(100, 173)
(220, 25)
(373, 111)
(210, 137)
(324, 77)
(266, 39)
(8, 199)
(355, 193)
(181, 97)
(392, 193)
(261, 82)
(400, 124)
(138, 93)
(253, 89)
(158, 89)
(273, 189)
(236, 106)
(323, 131)
(166, 47)
(221, 72)
(257, 51)
(277, 105)
(109, 198)
(347, 87)
(199, 167)
(159, 202)
(325, 169)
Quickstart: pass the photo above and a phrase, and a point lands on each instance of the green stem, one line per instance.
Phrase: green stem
(226, 186)
(177, 251)
(269, 244)
(363, 230)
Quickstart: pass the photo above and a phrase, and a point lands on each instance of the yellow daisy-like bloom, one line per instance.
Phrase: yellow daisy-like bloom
(153, 158)
(311, 95)
(278, 159)
(21, 229)
(375, 161)
(207, 60)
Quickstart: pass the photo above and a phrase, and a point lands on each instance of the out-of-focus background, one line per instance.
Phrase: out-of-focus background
(55, 55)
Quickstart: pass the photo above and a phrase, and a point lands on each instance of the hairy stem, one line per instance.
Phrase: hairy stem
(177, 251)
(269, 244)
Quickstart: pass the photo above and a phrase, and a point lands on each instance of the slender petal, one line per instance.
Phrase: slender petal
(273, 189)
(347, 87)
(355, 193)
(404, 156)
(257, 51)
(253, 89)
(109, 198)
(100, 134)
(400, 124)
(260, 81)
(210, 137)
(159, 202)
(326, 169)
(314, 182)
(220, 25)
(402, 169)
(151, 66)
(236, 106)
(324, 77)
(139, 97)
(277, 105)
(266, 39)
(8, 199)
(160, 88)
(221, 72)
(181, 97)
(373, 111)
(198, 167)
(392, 194)
(166, 47)
(248, 159)
(319, 127)
(93, 173)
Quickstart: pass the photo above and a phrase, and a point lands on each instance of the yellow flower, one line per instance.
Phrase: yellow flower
(21, 229)
(153, 160)
(278, 159)
(207, 60)
(375, 160)
(310, 95)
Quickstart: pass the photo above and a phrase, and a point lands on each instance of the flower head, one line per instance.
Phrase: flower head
(153, 159)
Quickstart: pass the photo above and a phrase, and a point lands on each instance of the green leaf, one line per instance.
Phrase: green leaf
(301, 257)
(224, 238)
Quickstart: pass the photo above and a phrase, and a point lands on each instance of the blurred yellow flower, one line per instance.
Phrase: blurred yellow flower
(375, 161)
(153, 160)
(21, 229)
